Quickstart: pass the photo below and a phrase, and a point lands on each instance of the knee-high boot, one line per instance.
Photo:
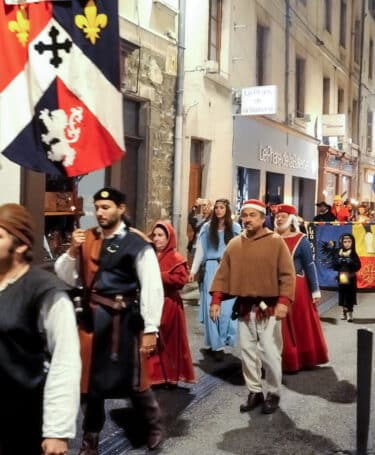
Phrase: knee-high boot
(90, 444)
(146, 404)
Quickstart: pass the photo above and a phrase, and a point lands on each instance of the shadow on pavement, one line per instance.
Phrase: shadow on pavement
(328, 320)
(228, 369)
(362, 321)
(321, 382)
(172, 403)
(274, 435)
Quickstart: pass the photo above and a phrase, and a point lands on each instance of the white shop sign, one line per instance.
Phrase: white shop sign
(259, 100)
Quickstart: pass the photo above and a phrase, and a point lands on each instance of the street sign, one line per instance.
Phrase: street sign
(259, 100)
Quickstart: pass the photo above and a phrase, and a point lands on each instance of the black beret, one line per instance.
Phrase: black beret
(110, 194)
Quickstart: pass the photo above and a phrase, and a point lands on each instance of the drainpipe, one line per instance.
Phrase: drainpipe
(287, 39)
(177, 175)
(363, 15)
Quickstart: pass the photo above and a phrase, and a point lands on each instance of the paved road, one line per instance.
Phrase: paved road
(317, 413)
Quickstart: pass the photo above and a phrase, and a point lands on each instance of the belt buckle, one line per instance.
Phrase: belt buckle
(119, 299)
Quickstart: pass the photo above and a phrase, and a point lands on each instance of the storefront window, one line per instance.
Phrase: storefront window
(330, 187)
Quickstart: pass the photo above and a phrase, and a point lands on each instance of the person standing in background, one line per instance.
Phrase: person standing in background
(40, 366)
(339, 210)
(199, 214)
(304, 345)
(212, 240)
(171, 362)
(121, 276)
(324, 213)
(362, 216)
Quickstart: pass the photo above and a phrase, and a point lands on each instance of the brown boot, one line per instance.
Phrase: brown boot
(146, 404)
(90, 444)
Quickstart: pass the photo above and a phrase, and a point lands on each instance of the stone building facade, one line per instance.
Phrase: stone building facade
(149, 70)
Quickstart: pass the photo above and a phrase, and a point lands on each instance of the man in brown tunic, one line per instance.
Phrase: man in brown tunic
(257, 268)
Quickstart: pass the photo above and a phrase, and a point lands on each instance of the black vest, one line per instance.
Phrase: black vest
(22, 345)
(117, 273)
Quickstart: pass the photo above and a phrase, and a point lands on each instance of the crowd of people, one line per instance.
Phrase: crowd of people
(344, 211)
(258, 286)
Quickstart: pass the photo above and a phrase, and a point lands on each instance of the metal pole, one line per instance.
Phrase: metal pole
(360, 96)
(287, 56)
(364, 369)
(176, 216)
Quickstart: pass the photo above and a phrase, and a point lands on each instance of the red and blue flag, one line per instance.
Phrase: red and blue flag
(61, 108)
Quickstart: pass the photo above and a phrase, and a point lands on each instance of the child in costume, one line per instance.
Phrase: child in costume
(347, 263)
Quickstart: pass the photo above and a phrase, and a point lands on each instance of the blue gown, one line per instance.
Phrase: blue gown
(223, 331)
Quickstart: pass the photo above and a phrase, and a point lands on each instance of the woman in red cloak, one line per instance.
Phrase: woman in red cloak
(172, 363)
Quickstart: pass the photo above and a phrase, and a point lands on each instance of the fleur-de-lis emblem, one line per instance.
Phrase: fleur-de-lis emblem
(21, 26)
(91, 22)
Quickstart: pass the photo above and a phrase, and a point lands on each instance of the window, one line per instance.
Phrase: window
(261, 54)
(370, 59)
(326, 94)
(300, 87)
(214, 30)
(328, 15)
(369, 132)
(343, 23)
(131, 118)
(357, 41)
(355, 121)
(340, 101)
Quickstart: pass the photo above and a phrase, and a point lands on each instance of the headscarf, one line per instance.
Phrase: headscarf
(169, 257)
(18, 221)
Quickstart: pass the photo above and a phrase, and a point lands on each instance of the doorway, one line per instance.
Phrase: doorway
(274, 188)
(304, 197)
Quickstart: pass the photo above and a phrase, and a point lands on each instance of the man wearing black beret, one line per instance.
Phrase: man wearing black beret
(119, 270)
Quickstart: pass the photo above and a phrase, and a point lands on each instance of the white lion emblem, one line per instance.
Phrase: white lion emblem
(62, 131)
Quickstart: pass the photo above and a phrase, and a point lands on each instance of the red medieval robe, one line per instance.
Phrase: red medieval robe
(304, 345)
(172, 363)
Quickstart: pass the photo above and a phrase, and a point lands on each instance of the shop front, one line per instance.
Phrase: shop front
(336, 174)
(275, 163)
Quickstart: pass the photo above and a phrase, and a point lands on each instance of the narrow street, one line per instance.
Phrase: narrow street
(317, 413)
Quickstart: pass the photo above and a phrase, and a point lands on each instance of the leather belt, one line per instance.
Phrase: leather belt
(269, 301)
(119, 303)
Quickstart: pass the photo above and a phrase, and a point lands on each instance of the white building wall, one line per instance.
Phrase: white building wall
(10, 181)
(208, 102)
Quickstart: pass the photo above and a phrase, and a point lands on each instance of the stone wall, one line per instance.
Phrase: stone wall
(149, 76)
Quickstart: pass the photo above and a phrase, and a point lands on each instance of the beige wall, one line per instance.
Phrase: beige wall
(10, 181)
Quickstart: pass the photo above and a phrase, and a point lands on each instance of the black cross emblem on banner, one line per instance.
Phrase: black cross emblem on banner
(54, 47)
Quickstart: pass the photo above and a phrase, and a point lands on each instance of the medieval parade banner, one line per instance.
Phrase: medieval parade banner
(60, 105)
(324, 239)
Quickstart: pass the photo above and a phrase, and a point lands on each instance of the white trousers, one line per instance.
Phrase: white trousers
(260, 346)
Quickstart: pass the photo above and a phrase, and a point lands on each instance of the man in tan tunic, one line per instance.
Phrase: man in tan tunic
(257, 268)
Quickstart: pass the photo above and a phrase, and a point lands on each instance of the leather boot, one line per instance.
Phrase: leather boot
(145, 403)
(254, 399)
(90, 444)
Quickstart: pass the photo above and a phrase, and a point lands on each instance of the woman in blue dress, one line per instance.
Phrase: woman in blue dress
(213, 238)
